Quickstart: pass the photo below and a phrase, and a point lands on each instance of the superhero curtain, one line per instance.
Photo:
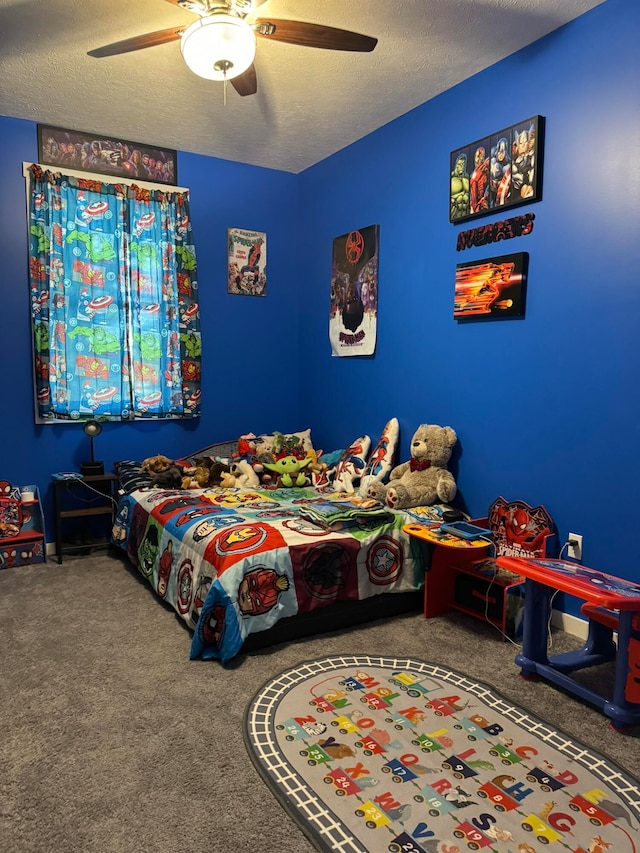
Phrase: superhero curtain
(113, 278)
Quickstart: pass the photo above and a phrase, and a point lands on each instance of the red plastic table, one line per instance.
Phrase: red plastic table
(611, 604)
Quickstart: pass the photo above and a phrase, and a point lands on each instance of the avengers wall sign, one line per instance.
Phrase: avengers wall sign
(506, 229)
(500, 171)
(92, 152)
(492, 288)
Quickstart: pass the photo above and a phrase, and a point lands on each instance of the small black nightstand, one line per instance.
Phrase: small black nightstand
(81, 497)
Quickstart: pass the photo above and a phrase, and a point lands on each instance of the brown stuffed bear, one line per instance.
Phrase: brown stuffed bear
(424, 479)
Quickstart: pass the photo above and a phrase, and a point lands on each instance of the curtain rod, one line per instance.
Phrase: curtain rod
(105, 179)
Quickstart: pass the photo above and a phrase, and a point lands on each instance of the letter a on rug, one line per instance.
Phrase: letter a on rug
(376, 754)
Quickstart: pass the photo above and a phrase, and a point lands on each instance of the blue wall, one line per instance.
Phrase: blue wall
(247, 342)
(547, 407)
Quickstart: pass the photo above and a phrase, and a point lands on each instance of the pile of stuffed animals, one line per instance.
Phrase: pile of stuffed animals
(284, 456)
(167, 474)
(423, 480)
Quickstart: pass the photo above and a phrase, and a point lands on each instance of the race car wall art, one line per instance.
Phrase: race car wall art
(494, 287)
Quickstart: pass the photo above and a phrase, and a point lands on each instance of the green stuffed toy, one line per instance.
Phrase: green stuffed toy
(289, 470)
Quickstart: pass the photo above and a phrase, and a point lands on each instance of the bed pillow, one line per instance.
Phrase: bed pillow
(278, 443)
(130, 477)
(380, 459)
(351, 465)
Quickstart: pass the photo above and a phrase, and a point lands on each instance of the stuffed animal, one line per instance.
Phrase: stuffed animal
(155, 464)
(171, 478)
(424, 479)
(166, 474)
(195, 477)
(240, 476)
(216, 472)
(246, 446)
(227, 480)
(203, 462)
(290, 471)
(316, 469)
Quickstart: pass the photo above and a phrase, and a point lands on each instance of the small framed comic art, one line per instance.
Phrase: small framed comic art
(498, 172)
(492, 288)
(246, 262)
(93, 152)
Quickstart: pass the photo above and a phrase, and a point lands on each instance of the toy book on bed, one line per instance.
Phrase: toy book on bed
(233, 562)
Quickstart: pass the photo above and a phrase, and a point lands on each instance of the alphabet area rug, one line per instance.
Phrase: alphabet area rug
(375, 754)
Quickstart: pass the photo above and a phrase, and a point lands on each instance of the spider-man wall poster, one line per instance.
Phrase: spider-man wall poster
(354, 292)
(247, 262)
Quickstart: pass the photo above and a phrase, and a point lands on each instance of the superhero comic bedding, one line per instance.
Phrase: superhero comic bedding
(233, 562)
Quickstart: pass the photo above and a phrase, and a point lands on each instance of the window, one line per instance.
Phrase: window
(115, 316)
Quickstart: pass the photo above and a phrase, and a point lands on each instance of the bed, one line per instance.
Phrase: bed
(247, 567)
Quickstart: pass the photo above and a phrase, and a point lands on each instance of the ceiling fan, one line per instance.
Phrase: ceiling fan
(221, 43)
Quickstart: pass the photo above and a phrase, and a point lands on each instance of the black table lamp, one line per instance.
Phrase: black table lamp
(87, 469)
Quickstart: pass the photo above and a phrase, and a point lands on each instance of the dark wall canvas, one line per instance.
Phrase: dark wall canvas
(491, 288)
(353, 316)
(92, 152)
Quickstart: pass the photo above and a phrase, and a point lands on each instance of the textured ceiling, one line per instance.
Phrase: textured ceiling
(310, 102)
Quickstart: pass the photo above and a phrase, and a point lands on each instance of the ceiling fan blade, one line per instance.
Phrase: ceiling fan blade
(138, 42)
(247, 82)
(312, 35)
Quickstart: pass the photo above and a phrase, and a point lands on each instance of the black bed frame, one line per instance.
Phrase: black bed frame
(336, 617)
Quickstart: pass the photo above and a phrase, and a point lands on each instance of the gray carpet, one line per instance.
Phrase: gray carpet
(112, 740)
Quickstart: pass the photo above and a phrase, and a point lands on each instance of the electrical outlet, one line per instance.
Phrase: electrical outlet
(574, 552)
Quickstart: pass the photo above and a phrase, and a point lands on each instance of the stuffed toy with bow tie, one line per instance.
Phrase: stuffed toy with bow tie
(424, 479)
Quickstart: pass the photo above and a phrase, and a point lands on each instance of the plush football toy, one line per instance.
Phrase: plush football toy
(424, 479)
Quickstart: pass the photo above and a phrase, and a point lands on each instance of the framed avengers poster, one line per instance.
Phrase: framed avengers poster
(93, 152)
(502, 170)
(493, 288)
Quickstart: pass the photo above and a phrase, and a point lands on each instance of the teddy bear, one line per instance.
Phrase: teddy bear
(424, 479)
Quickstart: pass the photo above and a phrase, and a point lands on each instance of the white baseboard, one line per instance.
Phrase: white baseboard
(570, 624)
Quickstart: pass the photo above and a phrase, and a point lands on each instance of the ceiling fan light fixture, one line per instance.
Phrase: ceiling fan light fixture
(218, 47)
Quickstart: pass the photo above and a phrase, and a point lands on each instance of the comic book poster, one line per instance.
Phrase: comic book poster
(354, 292)
(247, 262)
